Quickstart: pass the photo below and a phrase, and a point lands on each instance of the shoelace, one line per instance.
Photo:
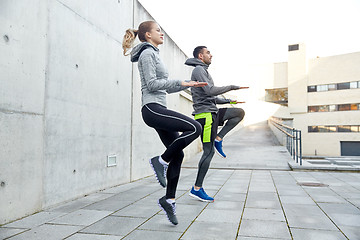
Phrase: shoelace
(165, 169)
(173, 205)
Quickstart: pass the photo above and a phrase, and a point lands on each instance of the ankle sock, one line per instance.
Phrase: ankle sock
(162, 161)
(170, 200)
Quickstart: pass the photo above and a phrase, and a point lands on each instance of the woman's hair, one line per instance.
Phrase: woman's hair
(131, 34)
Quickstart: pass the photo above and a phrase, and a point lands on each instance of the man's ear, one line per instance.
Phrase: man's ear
(201, 56)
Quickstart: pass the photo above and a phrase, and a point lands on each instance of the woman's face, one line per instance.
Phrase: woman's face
(155, 36)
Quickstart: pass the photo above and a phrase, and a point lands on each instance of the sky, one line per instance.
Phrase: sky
(242, 34)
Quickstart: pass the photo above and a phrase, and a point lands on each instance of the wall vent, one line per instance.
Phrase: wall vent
(111, 161)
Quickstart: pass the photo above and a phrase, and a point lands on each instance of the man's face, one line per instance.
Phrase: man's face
(205, 56)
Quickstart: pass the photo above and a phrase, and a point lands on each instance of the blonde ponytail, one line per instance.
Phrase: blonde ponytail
(128, 40)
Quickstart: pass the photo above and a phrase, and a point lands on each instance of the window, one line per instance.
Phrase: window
(313, 108)
(354, 128)
(354, 106)
(334, 128)
(324, 129)
(323, 108)
(343, 107)
(353, 85)
(293, 47)
(332, 108)
(277, 95)
(343, 86)
(313, 129)
(322, 88)
(332, 87)
(311, 88)
(344, 128)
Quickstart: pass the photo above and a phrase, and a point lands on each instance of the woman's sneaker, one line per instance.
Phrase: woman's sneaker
(169, 209)
(159, 170)
(200, 195)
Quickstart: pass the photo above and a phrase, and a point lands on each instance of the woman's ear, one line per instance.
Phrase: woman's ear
(148, 35)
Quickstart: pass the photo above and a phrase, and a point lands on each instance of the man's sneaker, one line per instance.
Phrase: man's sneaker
(201, 195)
(159, 170)
(218, 148)
(169, 209)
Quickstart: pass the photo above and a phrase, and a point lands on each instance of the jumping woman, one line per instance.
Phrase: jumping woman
(167, 123)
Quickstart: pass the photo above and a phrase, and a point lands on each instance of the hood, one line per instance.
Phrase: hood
(195, 62)
(137, 50)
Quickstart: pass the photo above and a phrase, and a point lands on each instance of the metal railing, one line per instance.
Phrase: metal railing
(293, 139)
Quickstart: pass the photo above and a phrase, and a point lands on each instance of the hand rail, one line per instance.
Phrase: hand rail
(293, 139)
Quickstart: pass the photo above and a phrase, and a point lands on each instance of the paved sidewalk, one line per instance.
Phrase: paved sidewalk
(253, 203)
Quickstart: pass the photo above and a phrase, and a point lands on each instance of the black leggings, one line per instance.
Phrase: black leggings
(232, 116)
(168, 124)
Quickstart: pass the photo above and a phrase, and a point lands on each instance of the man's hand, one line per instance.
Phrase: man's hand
(194, 84)
(236, 102)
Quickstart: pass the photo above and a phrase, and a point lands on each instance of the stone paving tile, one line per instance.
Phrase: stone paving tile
(353, 233)
(189, 210)
(137, 210)
(48, 231)
(234, 197)
(80, 203)
(220, 215)
(161, 223)
(267, 229)
(263, 214)
(226, 205)
(113, 225)
(302, 210)
(85, 236)
(328, 199)
(81, 217)
(8, 232)
(109, 204)
(311, 222)
(258, 238)
(211, 231)
(34, 220)
(345, 219)
(152, 235)
(312, 234)
(296, 200)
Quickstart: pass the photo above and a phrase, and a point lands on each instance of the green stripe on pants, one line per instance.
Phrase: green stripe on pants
(207, 127)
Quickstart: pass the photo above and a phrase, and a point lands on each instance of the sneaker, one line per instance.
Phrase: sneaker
(218, 148)
(200, 195)
(169, 209)
(159, 170)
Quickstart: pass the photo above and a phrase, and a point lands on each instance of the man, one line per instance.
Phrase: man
(209, 116)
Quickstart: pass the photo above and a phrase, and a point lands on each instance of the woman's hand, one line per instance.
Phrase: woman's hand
(194, 84)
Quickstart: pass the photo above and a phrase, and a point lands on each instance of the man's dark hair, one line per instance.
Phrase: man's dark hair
(197, 50)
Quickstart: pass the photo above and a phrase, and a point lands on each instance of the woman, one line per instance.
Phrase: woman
(167, 123)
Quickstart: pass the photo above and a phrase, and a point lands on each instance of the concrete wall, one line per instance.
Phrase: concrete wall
(23, 48)
(69, 98)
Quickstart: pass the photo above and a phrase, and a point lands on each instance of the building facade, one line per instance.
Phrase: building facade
(322, 96)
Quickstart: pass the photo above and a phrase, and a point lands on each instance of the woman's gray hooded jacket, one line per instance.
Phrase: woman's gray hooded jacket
(153, 74)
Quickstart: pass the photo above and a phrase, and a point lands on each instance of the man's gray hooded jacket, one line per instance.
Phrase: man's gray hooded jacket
(204, 98)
